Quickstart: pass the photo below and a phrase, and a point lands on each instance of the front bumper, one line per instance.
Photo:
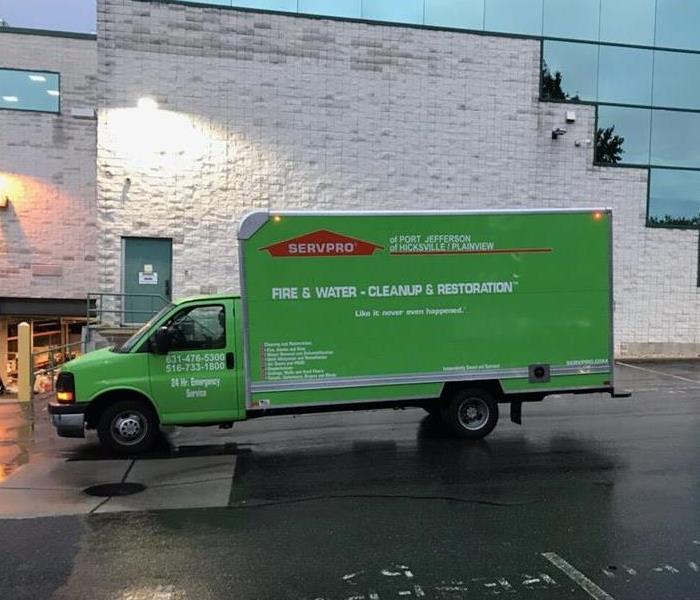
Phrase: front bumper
(68, 419)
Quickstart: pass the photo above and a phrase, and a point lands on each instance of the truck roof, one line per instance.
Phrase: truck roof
(206, 297)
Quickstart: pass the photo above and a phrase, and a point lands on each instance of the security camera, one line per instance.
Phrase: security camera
(557, 132)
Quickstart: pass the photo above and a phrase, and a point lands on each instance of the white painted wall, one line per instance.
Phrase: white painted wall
(48, 234)
(260, 110)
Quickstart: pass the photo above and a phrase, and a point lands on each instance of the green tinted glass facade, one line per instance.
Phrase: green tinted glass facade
(638, 61)
(36, 91)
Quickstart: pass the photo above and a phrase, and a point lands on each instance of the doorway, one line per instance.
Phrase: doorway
(146, 277)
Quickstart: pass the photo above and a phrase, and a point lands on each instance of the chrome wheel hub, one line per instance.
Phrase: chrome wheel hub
(473, 413)
(129, 428)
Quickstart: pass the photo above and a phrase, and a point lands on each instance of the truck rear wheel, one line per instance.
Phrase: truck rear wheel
(128, 427)
(471, 413)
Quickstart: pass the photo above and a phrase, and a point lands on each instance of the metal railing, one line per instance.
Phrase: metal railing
(100, 307)
(56, 357)
(111, 308)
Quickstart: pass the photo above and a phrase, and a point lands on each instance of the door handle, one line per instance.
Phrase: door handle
(230, 361)
(167, 288)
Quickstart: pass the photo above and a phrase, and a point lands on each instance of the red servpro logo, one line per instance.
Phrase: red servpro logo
(322, 243)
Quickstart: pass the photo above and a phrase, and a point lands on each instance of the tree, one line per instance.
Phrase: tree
(673, 221)
(551, 84)
(608, 146)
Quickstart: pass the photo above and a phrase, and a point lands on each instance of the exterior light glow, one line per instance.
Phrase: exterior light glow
(53, 92)
(162, 141)
(37, 78)
(276, 218)
(147, 104)
(10, 98)
(597, 216)
(4, 189)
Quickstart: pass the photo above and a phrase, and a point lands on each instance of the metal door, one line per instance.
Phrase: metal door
(146, 277)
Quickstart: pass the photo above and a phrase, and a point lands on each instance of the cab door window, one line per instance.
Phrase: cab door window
(198, 328)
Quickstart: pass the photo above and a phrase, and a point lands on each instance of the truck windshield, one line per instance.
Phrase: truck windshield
(134, 339)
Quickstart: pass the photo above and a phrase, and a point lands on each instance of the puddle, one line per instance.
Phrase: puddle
(108, 490)
(16, 434)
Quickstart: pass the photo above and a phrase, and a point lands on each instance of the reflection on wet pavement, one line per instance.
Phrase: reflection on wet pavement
(372, 505)
(16, 435)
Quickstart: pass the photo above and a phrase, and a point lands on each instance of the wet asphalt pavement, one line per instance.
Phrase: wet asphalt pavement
(592, 497)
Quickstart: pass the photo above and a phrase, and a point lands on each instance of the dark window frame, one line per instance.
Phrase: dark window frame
(671, 226)
(34, 110)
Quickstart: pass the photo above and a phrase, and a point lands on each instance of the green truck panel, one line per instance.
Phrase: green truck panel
(336, 301)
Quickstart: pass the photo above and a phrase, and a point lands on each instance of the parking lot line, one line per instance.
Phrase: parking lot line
(657, 372)
(577, 577)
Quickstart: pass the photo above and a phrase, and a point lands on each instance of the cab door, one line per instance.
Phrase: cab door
(195, 382)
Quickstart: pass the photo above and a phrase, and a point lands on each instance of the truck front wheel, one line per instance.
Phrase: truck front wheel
(128, 427)
(471, 413)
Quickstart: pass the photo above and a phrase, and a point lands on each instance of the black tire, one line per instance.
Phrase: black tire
(128, 427)
(471, 413)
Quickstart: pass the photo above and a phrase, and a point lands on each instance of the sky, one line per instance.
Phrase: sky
(61, 15)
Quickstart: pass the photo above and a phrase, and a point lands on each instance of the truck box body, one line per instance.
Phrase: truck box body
(345, 307)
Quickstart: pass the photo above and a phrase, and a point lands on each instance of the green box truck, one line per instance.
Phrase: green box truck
(453, 312)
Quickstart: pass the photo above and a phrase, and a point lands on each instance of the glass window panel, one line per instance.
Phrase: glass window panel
(625, 75)
(628, 21)
(397, 11)
(572, 19)
(674, 198)
(468, 14)
(570, 71)
(198, 328)
(283, 5)
(675, 138)
(677, 79)
(514, 16)
(677, 24)
(29, 90)
(633, 128)
(334, 8)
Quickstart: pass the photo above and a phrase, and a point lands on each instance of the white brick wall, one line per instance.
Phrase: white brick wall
(262, 110)
(48, 240)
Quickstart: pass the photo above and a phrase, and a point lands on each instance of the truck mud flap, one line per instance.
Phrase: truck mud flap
(516, 412)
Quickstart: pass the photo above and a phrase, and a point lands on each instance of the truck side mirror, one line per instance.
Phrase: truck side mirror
(161, 340)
